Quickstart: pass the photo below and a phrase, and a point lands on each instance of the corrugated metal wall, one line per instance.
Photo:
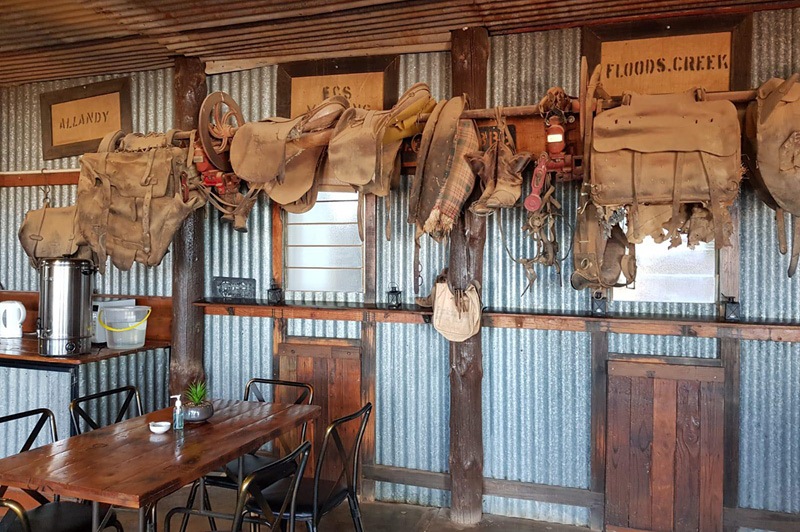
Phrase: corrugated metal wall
(412, 384)
(769, 452)
(25, 389)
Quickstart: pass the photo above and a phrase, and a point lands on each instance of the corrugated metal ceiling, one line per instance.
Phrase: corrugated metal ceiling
(67, 38)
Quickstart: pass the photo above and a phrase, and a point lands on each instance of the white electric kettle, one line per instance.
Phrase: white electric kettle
(12, 314)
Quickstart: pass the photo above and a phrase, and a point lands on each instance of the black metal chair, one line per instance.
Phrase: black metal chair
(49, 516)
(124, 393)
(316, 497)
(298, 393)
(251, 506)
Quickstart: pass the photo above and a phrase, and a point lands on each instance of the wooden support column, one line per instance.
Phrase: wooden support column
(470, 54)
(188, 256)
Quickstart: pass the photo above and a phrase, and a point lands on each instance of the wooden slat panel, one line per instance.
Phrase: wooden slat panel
(663, 476)
(617, 450)
(711, 468)
(641, 440)
(666, 371)
(687, 457)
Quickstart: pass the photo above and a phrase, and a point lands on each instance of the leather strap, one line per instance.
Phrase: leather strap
(795, 246)
(780, 221)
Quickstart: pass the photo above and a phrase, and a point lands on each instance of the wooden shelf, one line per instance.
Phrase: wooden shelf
(25, 350)
(776, 332)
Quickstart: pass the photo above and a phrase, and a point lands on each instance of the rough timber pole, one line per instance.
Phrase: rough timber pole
(188, 257)
(470, 54)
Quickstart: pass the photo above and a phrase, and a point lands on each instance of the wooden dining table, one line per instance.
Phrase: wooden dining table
(128, 466)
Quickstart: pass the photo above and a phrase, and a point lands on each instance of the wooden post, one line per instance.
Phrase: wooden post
(188, 257)
(470, 54)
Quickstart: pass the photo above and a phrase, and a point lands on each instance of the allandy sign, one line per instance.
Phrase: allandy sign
(667, 64)
(74, 120)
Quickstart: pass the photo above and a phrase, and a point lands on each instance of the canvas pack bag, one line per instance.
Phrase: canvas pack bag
(52, 232)
(456, 313)
(133, 198)
(773, 132)
(672, 161)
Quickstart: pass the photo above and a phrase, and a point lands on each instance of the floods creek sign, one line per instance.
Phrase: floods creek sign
(667, 64)
(74, 120)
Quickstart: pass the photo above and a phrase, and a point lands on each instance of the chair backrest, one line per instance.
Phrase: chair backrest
(334, 447)
(103, 411)
(298, 393)
(45, 418)
(292, 467)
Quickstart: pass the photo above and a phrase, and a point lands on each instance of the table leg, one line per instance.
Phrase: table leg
(95, 516)
(142, 519)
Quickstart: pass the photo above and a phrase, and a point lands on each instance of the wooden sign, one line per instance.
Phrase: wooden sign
(667, 64)
(366, 82)
(661, 56)
(74, 120)
(363, 90)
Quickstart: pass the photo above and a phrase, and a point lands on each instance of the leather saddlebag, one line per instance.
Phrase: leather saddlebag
(662, 151)
(130, 203)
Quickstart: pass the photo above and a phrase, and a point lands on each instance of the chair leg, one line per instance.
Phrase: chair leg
(355, 512)
(189, 504)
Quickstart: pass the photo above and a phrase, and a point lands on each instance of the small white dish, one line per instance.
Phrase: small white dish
(159, 427)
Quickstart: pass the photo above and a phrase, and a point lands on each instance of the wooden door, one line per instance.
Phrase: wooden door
(334, 370)
(664, 447)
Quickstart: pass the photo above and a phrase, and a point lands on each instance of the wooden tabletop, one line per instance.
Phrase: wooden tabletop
(26, 350)
(127, 465)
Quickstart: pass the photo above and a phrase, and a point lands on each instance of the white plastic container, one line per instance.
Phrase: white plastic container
(125, 326)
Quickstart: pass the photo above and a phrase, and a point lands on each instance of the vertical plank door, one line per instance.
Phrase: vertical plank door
(333, 368)
(664, 447)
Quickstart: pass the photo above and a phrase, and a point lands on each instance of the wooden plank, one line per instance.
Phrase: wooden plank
(39, 179)
(674, 361)
(665, 371)
(542, 493)
(25, 351)
(687, 457)
(712, 397)
(662, 485)
(761, 519)
(470, 55)
(411, 314)
(598, 424)
(188, 249)
(316, 340)
(730, 351)
(617, 453)
(641, 442)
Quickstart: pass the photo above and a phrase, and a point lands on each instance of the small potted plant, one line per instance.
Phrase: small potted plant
(197, 407)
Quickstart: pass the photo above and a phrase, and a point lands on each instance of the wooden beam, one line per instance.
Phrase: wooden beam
(368, 337)
(39, 179)
(470, 55)
(597, 482)
(188, 255)
(734, 518)
(773, 332)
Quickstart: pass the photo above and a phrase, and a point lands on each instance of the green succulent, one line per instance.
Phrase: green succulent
(196, 393)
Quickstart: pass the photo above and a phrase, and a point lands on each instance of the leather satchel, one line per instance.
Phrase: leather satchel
(672, 161)
(773, 132)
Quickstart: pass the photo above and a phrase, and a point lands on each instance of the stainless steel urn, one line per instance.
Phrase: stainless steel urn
(65, 306)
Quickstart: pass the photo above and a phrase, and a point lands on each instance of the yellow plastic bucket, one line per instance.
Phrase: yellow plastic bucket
(126, 326)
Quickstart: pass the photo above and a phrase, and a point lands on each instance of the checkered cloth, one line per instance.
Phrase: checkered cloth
(458, 182)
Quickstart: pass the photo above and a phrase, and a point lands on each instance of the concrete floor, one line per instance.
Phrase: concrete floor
(377, 517)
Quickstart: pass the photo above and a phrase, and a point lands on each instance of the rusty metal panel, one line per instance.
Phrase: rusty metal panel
(776, 45)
